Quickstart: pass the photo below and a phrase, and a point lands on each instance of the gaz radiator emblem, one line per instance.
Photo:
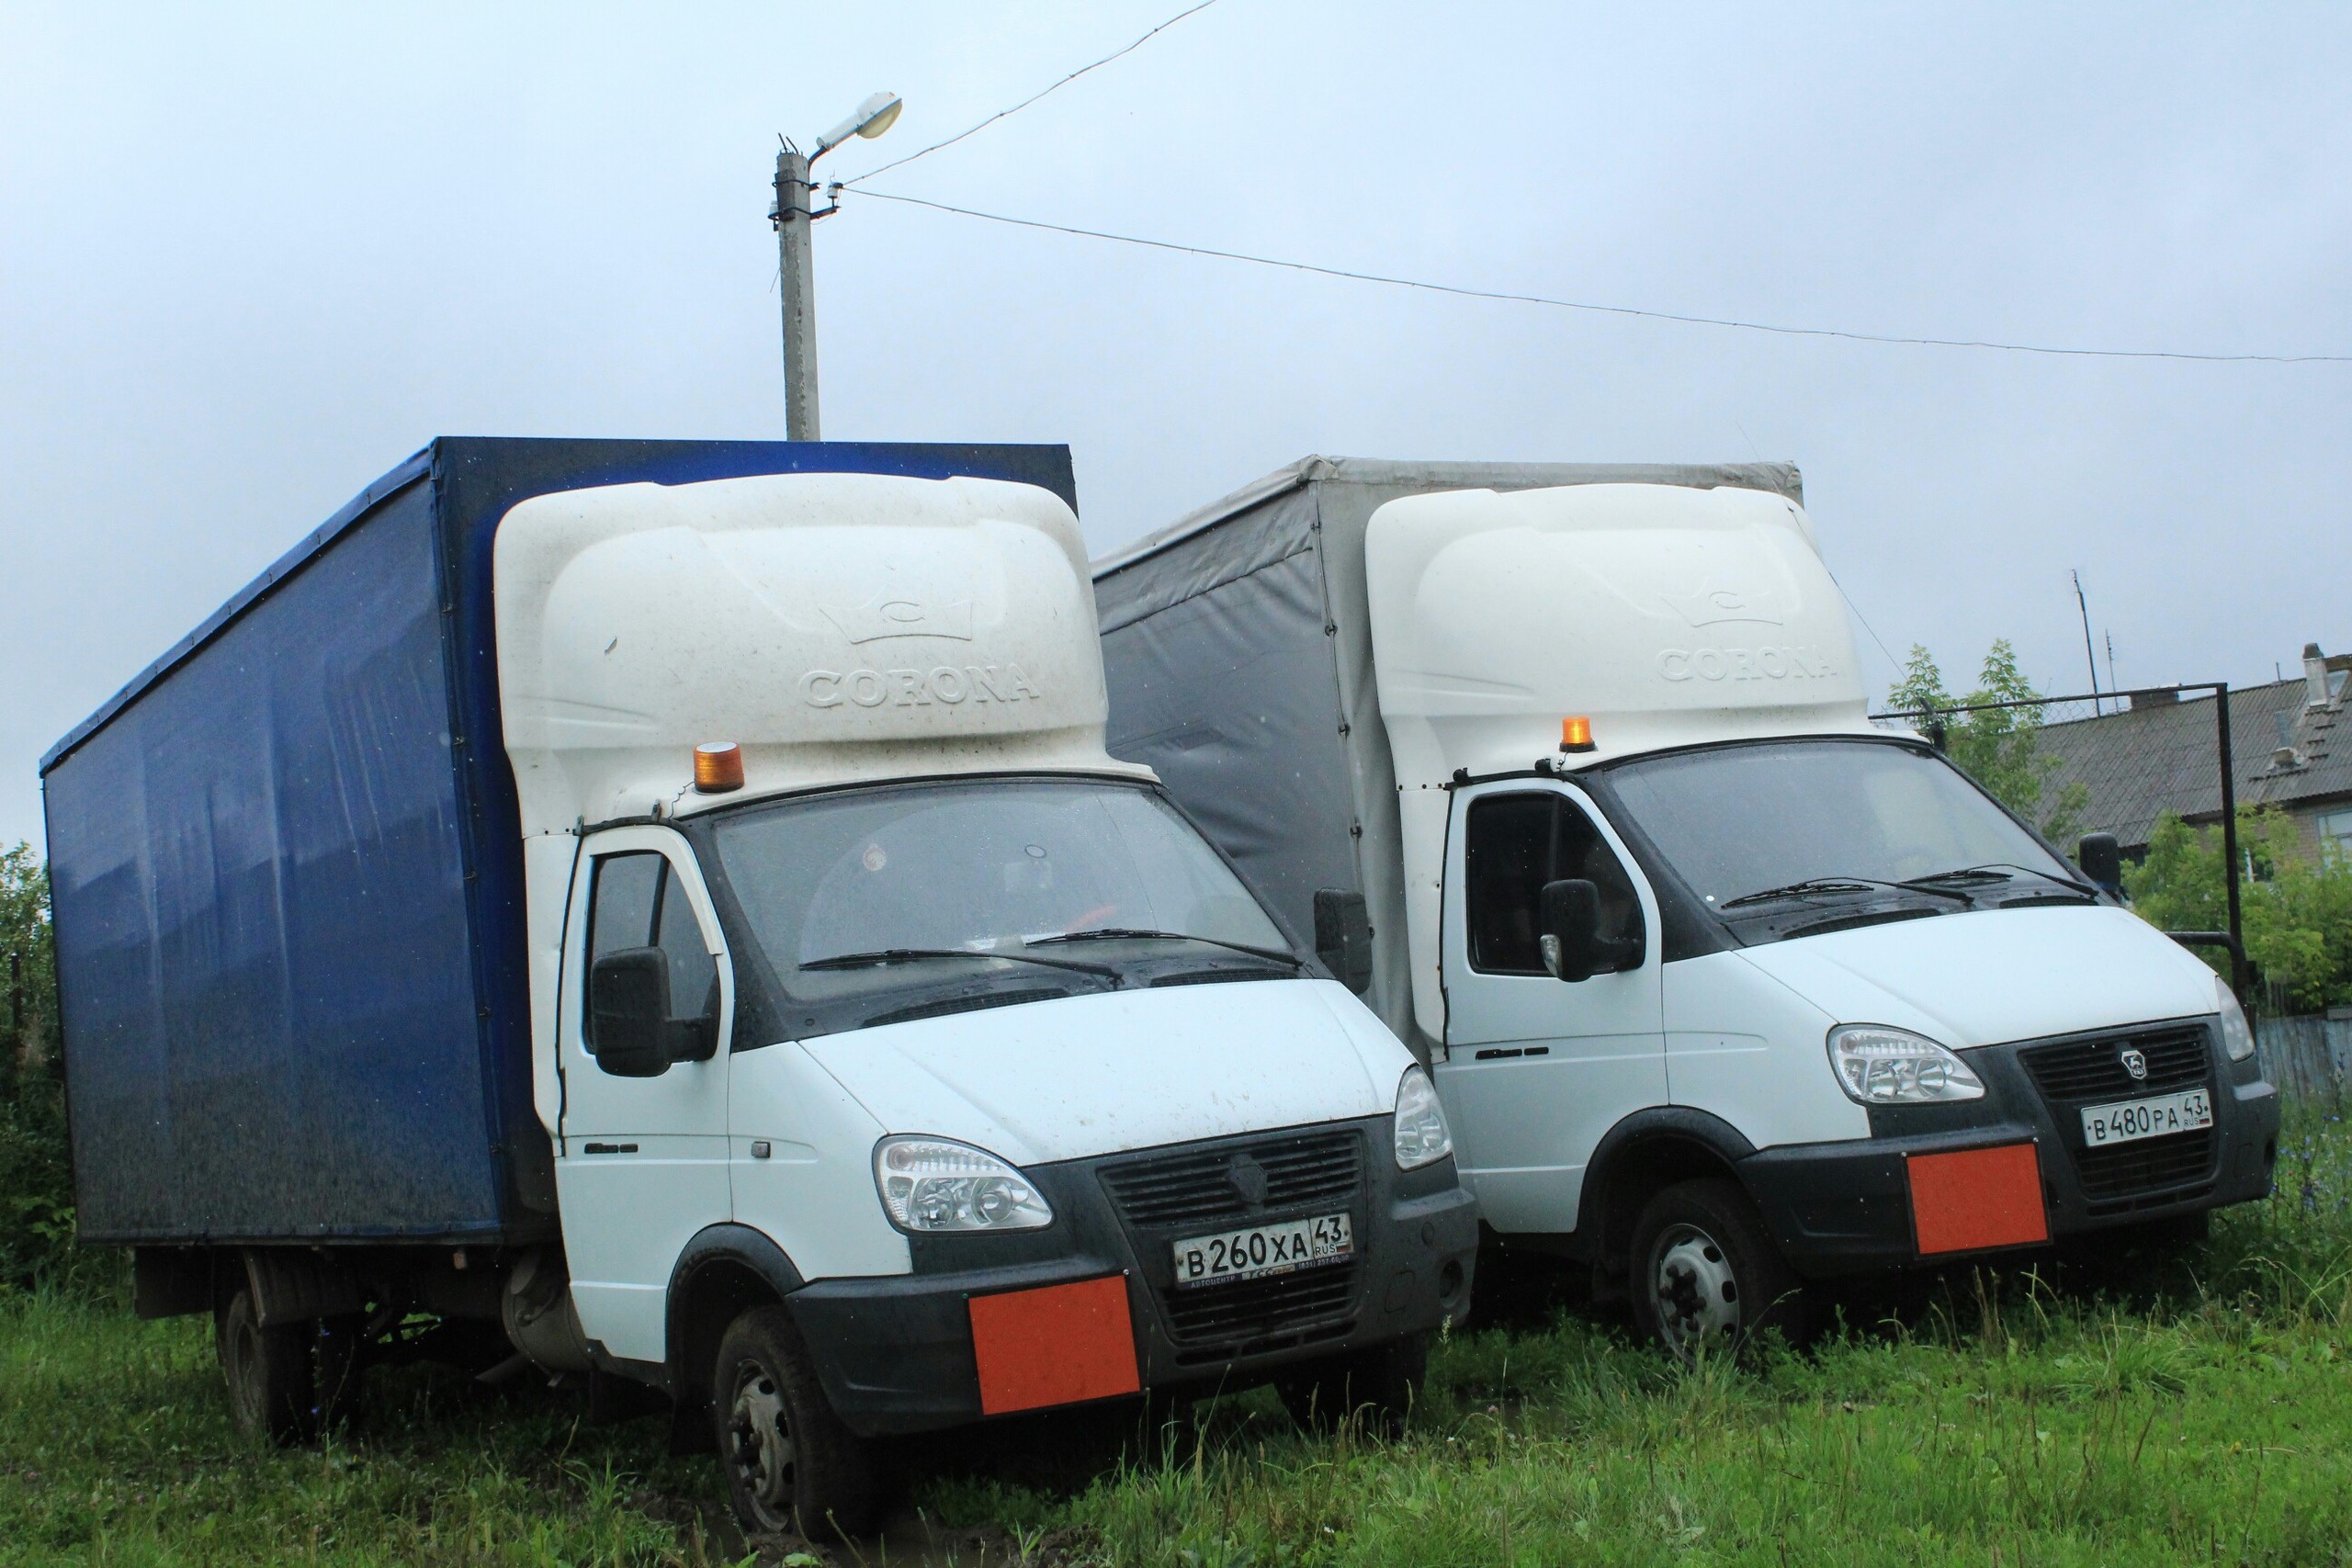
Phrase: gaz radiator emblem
(2134, 1061)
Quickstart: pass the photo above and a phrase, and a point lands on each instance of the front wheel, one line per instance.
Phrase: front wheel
(1706, 1277)
(790, 1462)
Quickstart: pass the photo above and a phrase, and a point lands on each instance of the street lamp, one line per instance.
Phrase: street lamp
(791, 218)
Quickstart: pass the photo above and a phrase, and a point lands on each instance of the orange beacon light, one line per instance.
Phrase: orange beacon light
(719, 767)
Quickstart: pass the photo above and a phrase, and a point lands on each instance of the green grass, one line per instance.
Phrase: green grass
(2177, 1406)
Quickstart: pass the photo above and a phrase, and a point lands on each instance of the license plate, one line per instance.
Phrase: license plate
(2184, 1112)
(1265, 1249)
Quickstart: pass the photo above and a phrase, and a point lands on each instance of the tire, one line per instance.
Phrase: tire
(272, 1390)
(1377, 1387)
(790, 1462)
(1705, 1276)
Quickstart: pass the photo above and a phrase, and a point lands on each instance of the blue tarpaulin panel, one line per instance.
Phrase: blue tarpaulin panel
(288, 875)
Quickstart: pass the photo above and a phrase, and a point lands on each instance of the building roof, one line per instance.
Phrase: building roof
(2161, 756)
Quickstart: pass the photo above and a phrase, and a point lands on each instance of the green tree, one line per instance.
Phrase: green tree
(2296, 909)
(36, 1182)
(1999, 747)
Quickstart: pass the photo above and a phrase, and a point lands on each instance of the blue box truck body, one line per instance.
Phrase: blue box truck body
(287, 874)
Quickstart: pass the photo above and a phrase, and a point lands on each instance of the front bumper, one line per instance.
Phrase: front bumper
(896, 1354)
(1845, 1208)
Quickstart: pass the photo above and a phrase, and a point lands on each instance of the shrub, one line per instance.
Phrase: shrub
(36, 1180)
(2296, 908)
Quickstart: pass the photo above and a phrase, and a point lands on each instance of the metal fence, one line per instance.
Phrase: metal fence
(2112, 762)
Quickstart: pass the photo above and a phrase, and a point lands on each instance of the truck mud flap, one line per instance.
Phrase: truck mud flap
(295, 1287)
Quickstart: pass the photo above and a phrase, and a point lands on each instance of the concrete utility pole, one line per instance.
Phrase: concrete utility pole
(797, 259)
(796, 271)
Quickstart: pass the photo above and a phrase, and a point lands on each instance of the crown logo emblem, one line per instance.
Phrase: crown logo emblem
(888, 615)
(1710, 606)
(1247, 1180)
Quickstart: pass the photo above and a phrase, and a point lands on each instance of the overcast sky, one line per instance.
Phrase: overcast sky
(250, 258)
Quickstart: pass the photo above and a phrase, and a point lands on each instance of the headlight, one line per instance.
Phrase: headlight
(1877, 1066)
(936, 1184)
(1422, 1137)
(2237, 1035)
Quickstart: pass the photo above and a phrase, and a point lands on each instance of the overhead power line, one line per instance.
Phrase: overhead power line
(1468, 293)
(1000, 114)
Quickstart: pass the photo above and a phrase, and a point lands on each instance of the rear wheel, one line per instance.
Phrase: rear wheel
(1705, 1275)
(1377, 1386)
(272, 1389)
(790, 1462)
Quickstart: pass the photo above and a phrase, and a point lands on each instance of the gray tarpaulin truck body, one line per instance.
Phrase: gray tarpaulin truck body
(1238, 643)
(1588, 751)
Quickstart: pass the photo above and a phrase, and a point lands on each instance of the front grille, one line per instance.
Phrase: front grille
(1194, 1187)
(1260, 1315)
(1174, 1196)
(2086, 1071)
(2078, 1073)
(2150, 1165)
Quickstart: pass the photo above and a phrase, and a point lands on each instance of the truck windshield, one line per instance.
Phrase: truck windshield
(1793, 837)
(880, 905)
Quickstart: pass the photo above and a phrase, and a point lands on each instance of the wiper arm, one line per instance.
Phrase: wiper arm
(1107, 933)
(1840, 884)
(1999, 871)
(904, 955)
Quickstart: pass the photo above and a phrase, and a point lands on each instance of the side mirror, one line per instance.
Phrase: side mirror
(1574, 949)
(1344, 937)
(2101, 859)
(628, 1012)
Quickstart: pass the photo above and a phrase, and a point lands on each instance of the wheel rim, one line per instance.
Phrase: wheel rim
(760, 1445)
(1694, 1288)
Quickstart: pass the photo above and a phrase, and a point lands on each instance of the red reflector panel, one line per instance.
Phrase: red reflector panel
(1060, 1345)
(1973, 1199)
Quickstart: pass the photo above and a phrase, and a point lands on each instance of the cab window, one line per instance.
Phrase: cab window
(1512, 845)
(635, 901)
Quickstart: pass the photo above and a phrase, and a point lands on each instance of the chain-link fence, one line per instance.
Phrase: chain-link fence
(2152, 769)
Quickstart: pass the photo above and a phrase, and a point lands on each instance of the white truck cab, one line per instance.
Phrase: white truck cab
(1724, 987)
(909, 1060)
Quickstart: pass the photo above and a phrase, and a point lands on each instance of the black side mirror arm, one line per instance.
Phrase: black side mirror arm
(2100, 858)
(1574, 949)
(1344, 937)
(629, 1030)
(1569, 917)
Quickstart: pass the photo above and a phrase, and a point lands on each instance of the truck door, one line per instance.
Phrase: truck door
(641, 1165)
(1538, 1068)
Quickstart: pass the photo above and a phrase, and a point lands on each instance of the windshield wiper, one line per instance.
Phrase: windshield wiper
(1130, 933)
(905, 954)
(1998, 871)
(1840, 884)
